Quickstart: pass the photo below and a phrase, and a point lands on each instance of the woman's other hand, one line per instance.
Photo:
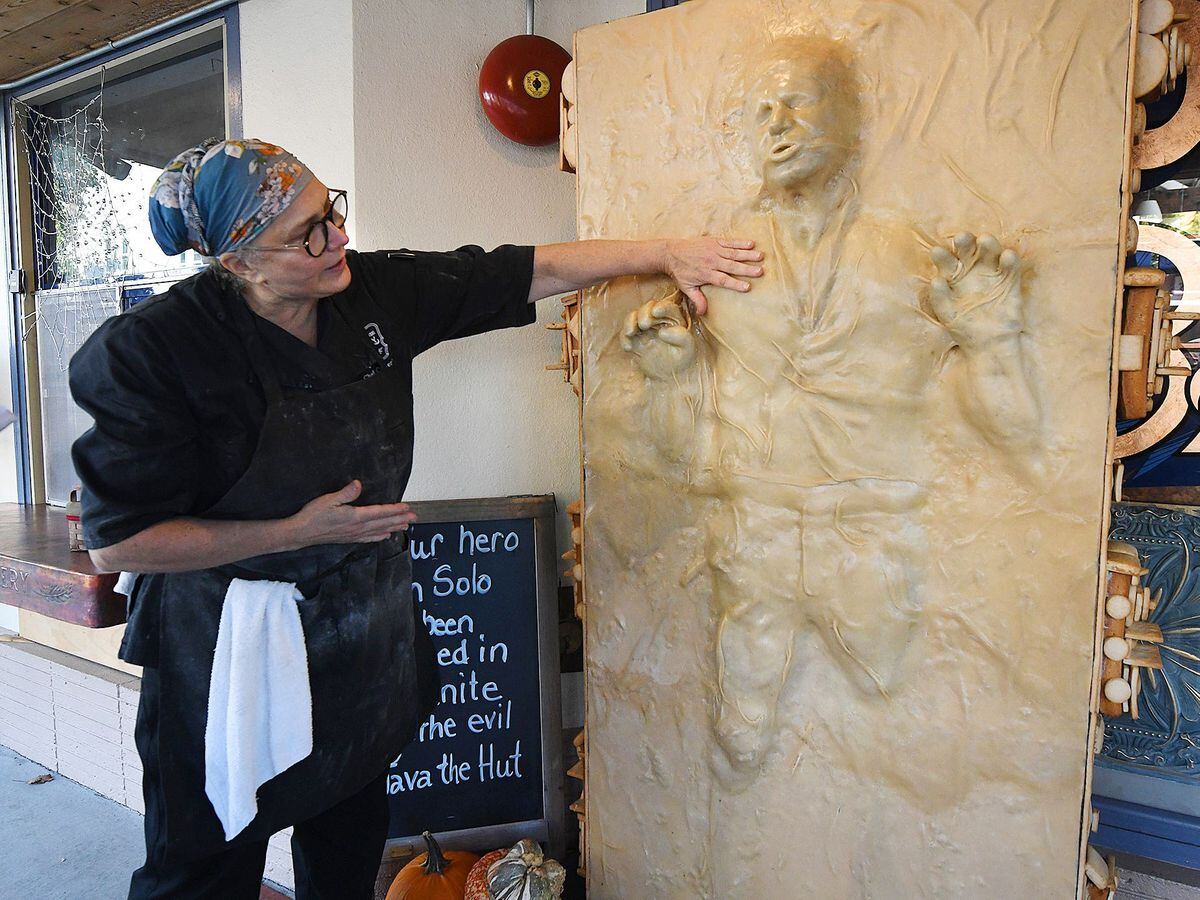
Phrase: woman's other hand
(330, 519)
(188, 544)
(724, 262)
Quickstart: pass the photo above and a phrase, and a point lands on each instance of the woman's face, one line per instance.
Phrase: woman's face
(293, 274)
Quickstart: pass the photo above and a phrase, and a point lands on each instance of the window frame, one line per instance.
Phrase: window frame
(30, 474)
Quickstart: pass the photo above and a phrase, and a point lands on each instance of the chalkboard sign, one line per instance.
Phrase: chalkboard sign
(485, 768)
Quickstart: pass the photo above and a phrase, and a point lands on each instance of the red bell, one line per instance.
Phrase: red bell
(519, 86)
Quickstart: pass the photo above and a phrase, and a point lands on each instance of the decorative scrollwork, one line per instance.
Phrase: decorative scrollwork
(1167, 733)
(1126, 742)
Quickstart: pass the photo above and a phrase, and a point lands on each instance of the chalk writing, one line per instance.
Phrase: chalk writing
(476, 758)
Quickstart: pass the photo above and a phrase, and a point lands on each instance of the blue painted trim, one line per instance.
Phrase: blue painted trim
(16, 349)
(233, 71)
(1148, 833)
(652, 5)
(1147, 786)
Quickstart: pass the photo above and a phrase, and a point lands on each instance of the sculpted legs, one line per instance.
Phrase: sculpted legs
(753, 553)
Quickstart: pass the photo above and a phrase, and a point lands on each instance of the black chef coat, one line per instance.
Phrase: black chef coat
(177, 408)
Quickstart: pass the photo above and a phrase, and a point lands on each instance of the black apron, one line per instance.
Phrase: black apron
(369, 682)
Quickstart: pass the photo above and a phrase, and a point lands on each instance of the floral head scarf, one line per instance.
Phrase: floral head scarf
(218, 196)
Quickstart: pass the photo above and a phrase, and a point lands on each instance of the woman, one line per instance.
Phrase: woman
(254, 425)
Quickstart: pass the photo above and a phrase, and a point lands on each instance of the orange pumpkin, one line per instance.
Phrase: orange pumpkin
(434, 875)
(477, 883)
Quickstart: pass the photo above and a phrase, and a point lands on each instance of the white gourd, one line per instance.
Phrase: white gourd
(524, 873)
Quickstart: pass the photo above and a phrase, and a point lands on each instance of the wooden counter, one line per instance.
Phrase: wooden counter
(38, 572)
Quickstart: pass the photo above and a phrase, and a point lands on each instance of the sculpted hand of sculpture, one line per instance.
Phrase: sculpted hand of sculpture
(659, 334)
(976, 294)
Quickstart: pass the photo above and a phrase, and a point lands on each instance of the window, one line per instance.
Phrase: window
(94, 154)
(87, 149)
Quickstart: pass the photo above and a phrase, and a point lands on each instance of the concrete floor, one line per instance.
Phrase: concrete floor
(1136, 886)
(62, 841)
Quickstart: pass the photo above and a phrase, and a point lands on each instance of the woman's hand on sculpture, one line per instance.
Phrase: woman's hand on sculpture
(659, 334)
(976, 293)
(724, 262)
(330, 519)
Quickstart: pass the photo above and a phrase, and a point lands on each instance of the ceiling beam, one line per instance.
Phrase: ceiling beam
(59, 30)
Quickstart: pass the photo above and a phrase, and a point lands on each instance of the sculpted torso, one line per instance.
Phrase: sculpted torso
(802, 392)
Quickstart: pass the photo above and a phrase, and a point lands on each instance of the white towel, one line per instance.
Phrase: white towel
(259, 698)
(125, 582)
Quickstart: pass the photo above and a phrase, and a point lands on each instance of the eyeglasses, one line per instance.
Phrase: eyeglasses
(317, 238)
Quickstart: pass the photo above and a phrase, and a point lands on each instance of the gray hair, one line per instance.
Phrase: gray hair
(227, 280)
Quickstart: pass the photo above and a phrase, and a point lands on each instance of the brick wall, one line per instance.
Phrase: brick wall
(72, 716)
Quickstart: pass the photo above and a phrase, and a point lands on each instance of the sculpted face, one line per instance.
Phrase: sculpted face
(802, 118)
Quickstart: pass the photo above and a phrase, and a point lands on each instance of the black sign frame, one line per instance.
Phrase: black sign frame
(550, 829)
